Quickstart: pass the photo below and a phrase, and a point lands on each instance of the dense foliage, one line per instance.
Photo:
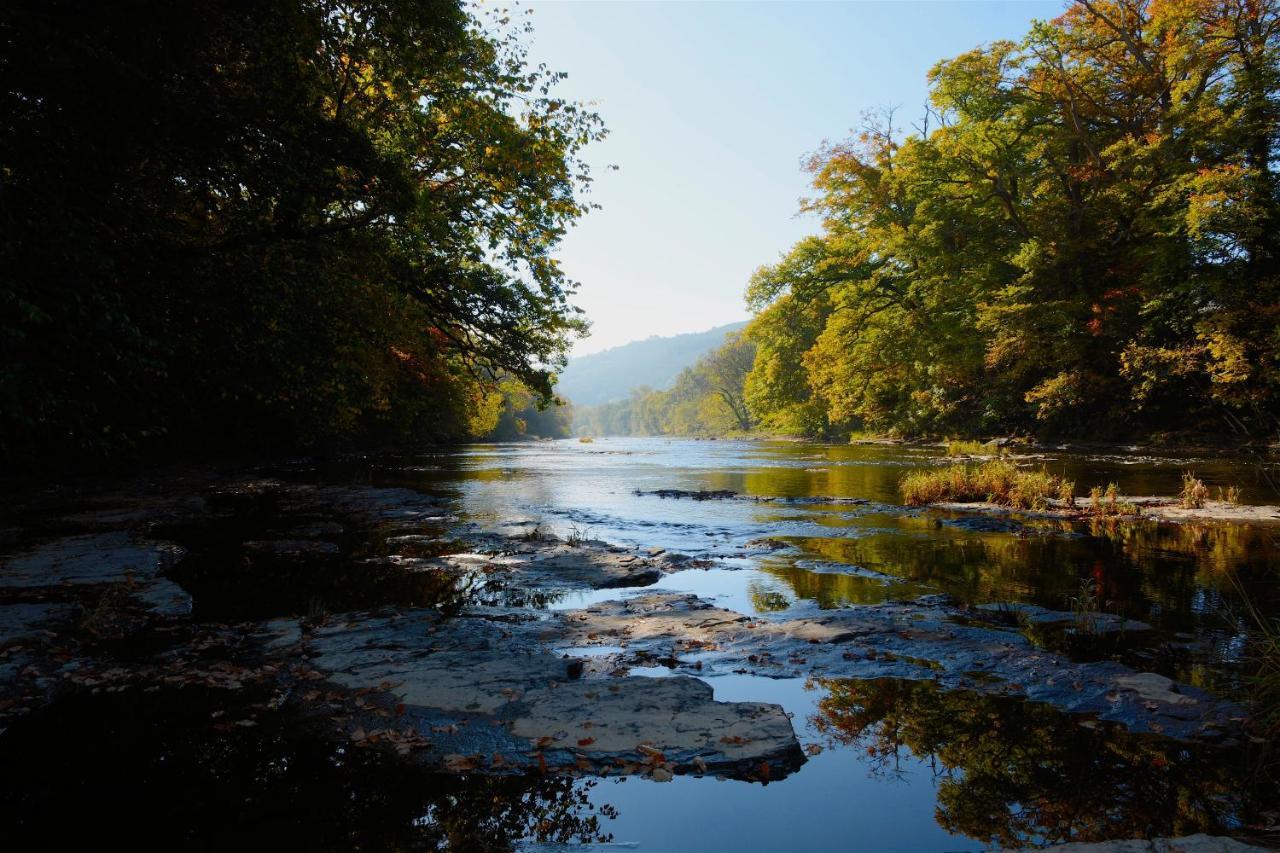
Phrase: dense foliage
(1085, 241)
(275, 222)
(706, 399)
(1080, 237)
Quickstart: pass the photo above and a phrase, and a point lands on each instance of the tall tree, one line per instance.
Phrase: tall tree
(279, 220)
(1083, 242)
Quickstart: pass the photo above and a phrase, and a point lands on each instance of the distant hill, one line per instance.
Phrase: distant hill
(612, 374)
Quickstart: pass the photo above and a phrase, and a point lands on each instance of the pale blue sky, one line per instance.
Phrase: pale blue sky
(711, 107)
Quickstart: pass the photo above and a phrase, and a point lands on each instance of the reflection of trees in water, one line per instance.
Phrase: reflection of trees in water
(1013, 772)
(1174, 575)
(161, 769)
(766, 600)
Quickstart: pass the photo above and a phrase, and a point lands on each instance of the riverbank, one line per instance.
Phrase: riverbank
(376, 618)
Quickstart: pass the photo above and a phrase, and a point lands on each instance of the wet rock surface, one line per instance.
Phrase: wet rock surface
(913, 640)
(388, 624)
(480, 691)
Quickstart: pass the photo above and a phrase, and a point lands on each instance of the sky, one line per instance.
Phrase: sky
(711, 109)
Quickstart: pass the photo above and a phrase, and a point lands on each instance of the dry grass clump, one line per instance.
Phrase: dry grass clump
(1229, 495)
(1194, 492)
(1108, 503)
(996, 482)
(956, 447)
(1067, 493)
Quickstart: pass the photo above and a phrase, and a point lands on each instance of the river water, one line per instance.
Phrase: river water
(901, 766)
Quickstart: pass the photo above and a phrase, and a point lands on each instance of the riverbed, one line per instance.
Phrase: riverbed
(1174, 576)
(785, 532)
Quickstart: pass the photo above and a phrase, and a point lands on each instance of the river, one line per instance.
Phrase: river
(894, 766)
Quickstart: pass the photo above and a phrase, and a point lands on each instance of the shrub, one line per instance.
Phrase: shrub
(1108, 503)
(1194, 492)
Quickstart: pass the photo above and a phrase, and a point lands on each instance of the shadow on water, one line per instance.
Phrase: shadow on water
(176, 770)
(265, 558)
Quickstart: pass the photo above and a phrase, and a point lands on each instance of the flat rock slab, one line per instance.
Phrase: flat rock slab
(24, 621)
(918, 640)
(103, 559)
(482, 693)
(552, 564)
(95, 559)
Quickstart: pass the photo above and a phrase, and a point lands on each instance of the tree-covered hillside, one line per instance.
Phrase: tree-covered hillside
(653, 363)
(706, 399)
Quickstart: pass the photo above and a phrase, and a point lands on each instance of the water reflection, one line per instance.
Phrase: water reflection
(1173, 575)
(1012, 773)
(1176, 577)
(175, 770)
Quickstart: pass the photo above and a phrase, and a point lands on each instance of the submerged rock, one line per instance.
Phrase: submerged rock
(1092, 621)
(697, 495)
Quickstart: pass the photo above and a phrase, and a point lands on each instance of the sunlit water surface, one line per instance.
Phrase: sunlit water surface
(900, 766)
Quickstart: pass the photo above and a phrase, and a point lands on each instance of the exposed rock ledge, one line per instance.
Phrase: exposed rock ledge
(487, 690)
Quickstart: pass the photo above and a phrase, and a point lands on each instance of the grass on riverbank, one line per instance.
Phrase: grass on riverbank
(956, 447)
(1002, 483)
(996, 482)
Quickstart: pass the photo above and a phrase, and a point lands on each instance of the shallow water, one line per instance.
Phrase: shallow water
(840, 538)
(892, 765)
(862, 547)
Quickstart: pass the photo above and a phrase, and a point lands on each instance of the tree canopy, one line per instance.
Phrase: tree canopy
(286, 222)
(1079, 236)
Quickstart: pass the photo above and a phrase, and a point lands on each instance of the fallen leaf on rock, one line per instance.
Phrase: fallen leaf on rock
(813, 749)
(459, 763)
(586, 741)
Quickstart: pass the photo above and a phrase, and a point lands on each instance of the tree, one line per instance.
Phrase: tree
(281, 221)
(1079, 239)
